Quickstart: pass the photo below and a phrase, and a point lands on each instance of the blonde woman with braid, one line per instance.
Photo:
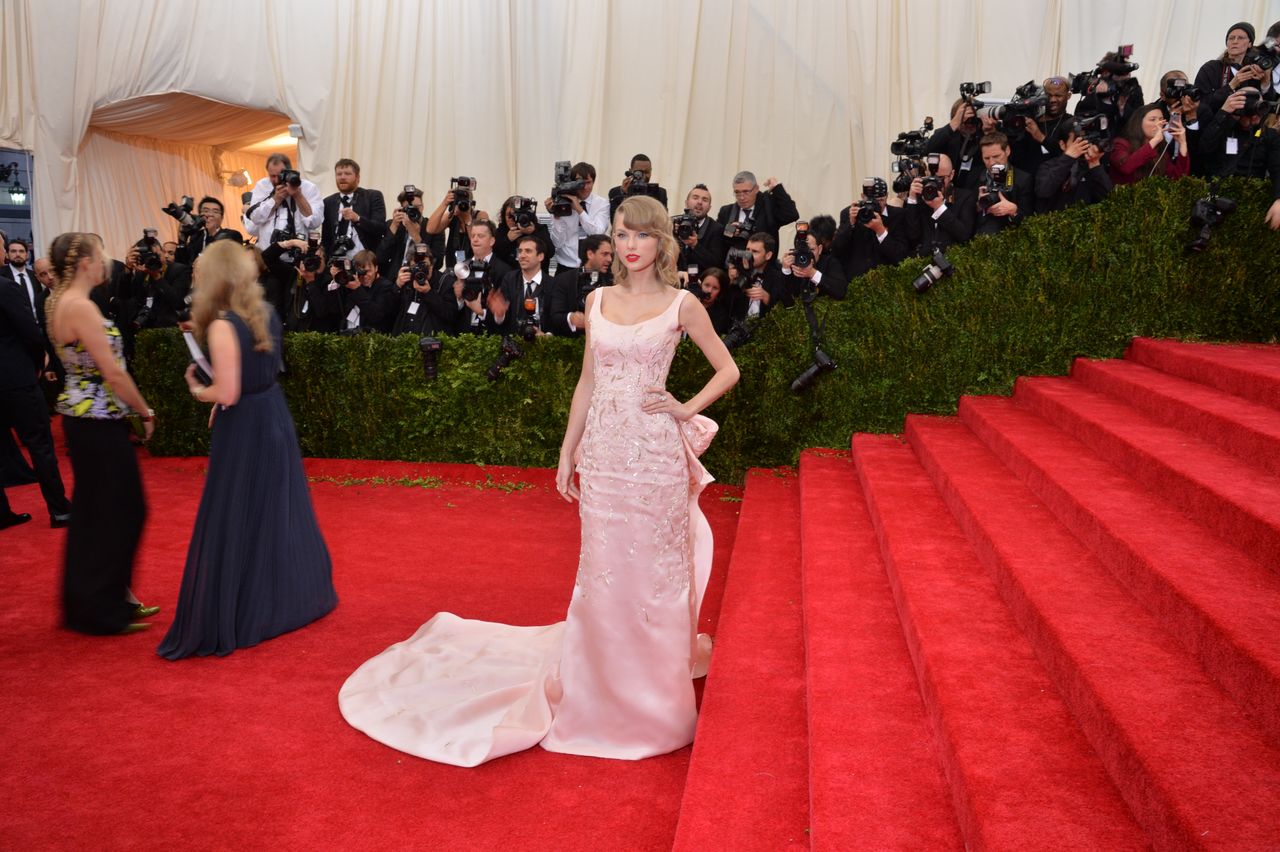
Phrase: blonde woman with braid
(107, 506)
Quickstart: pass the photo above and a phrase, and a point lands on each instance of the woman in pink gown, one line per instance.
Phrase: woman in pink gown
(615, 678)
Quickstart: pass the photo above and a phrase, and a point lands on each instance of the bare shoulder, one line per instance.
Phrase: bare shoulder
(691, 308)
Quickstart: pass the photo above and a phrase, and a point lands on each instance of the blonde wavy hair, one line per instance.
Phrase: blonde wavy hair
(226, 279)
(65, 253)
(642, 213)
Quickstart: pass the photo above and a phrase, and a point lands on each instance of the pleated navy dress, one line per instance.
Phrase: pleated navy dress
(257, 565)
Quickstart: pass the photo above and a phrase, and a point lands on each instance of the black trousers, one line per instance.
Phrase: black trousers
(23, 409)
(108, 510)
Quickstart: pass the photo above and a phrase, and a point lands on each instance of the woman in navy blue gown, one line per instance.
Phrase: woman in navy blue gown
(257, 565)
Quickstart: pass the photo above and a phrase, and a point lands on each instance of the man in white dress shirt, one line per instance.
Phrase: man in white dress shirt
(589, 215)
(280, 202)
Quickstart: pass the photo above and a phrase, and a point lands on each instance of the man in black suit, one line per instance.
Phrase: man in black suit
(152, 293)
(353, 212)
(211, 214)
(368, 300)
(940, 214)
(1015, 190)
(22, 407)
(567, 307)
(865, 241)
(315, 304)
(421, 308)
(823, 273)
(636, 182)
(406, 229)
(15, 269)
(756, 209)
(706, 248)
(527, 292)
(763, 286)
(484, 271)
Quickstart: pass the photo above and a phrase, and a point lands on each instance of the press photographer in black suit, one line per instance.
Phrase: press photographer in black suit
(1014, 194)
(404, 231)
(637, 181)
(706, 248)
(568, 317)
(823, 270)
(152, 293)
(421, 310)
(316, 303)
(211, 212)
(767, 209)
(870, 232)
(958, 140)
(368, 300)
(519, 218)
(484, 271)
(353, 212)
(1077, 175)
(527, 292)
(22, 406)
(938, 213)
(763, 285)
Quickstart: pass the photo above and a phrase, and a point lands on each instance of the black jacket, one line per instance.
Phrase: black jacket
(371, 228)
(377, 304)
(21, 343)
(1064, 181)
(1021, 190)
(859, 250)
(710, 250)
(954, 226)
(314, 306)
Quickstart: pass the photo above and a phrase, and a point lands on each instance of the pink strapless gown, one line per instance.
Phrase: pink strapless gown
(614, 679)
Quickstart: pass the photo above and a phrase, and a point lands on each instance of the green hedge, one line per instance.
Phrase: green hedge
(1081, 282)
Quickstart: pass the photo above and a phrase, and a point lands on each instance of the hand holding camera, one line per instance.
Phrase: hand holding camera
(403, 277)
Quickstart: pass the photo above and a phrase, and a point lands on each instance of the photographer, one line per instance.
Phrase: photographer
(570, 287)
(283, 203)
(421, 310)
(315, 303)
(958, 140)
(588, 214)
(1219, 78)
(705, 247)
(1007, 195)
(404, 231)
(527, 292)
(152, 293)
(353, 215)
(470, 290)
(759, 282)
(1235, 143)
(211, 213)
(756, 210)
(1150, 145)
(811, 265)
(519, 218)
(714, 291)
(938, 214)
(1114, 92)
(636, 182)
(1178, 97)
(1032, 150)
(864, 239)
(1075, 176)
(449, 225)
(368, 301)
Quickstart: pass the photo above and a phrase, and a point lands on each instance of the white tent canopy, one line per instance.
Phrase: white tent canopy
(127, 104)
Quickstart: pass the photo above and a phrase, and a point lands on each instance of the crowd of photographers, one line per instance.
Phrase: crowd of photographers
(342, 264)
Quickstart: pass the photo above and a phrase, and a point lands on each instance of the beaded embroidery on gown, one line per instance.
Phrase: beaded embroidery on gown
(615, 679)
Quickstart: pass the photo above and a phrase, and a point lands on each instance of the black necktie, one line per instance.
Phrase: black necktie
(528, 289)
(26, 291)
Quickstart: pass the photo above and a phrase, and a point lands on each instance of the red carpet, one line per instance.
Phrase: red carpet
(107, 746)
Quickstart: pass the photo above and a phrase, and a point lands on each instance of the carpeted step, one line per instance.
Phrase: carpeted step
(748, 781)
(1234, 499)
(1248, 430)
(1022, 775)
(1247, 370)
(875, 781)
(1194, 770)
(1223, 605)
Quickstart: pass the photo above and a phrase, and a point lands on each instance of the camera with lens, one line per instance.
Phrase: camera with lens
(905, 170)
(347, 272)
(463, 189)
(430, 348)
(280, 235)
(1179, 88)
(588, 281)
(873, 190)
(742, 260)
(913, 143)
(996, 181)
(932, 186)
(1028, 102)
(410, 210)
(1092, 129)
(525, 212)
(736, 230)
(1266, 55)
(343, 245)
(938, 268)
(1117, 62)
(420, 265)
(1082, 83)
(970, 92)
(475, 278)
(509, 350)
(684, 226)
(737, 335)
(564, 188)
(311, 261)
(289, 177)
(182, 212)
(1205, 214)
(801, 254)
(148, 258)
(1253, 104)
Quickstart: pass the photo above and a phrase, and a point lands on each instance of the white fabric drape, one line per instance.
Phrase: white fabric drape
(808, 92)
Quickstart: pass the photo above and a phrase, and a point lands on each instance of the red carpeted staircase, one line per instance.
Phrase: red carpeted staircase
(1052, 622)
